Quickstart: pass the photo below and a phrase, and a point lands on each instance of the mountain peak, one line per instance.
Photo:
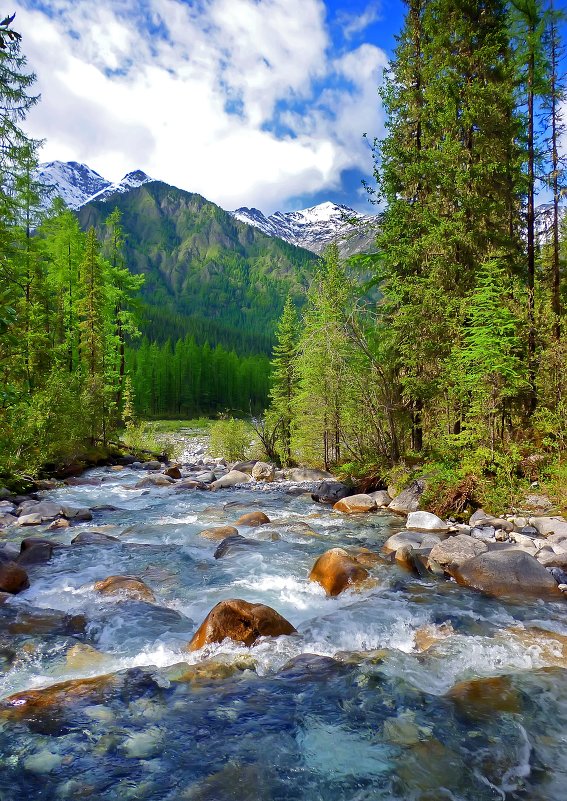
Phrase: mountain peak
(77, 184)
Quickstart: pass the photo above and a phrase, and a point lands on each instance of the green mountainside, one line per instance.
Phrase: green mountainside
(207, 274)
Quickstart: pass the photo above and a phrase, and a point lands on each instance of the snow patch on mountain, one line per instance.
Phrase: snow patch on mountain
(77, 184)
(316, 227)
(73, 182)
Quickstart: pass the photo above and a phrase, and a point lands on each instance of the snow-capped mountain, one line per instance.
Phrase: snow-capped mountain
(73, 182)
(77, 184)
(316, 227)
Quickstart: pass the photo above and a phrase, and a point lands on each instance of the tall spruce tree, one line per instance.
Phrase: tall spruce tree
(284, 378)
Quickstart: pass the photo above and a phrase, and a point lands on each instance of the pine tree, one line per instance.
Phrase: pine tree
(284, 378)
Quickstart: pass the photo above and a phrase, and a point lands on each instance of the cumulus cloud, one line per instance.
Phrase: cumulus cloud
(242, 101)
(353, 24)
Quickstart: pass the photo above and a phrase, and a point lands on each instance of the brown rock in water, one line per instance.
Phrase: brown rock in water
(482, 698)
(31, 704)
(93, 538)
(549, 645)
(240, 621)
(253, 519)
(508, 572)
(130, 586)
(428, 636)
(13, 578)
(173, 471)
(335, 570)
(353, 504)
(84, 657)
(218, 533)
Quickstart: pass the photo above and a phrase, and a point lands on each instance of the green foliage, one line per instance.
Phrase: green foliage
(231, 439)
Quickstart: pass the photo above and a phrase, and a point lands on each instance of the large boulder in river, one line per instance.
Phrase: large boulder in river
(231, 479)
(455, 551)
(233, 544)
(262, 471)
(330, 492)
(510, 572)
(241, 621)
(129, 586)
(335, 570)
(355, 503)
(13, 578)
(425, 521)
(93, 538)
(408, 500)
(34, 551)
(253, 519)
(158, 480)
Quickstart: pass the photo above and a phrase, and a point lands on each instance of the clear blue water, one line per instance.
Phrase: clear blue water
(350, 708)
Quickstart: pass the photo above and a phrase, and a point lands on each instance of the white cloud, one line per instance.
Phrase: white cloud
(356, 23)
(195, 105)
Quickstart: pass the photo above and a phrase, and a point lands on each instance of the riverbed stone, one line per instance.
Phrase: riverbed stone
(408, 500)
(7, 520)
(381, 498)
(93, 538)
(336, 570)
(240, 621)
(548, 558)
(129, 586)
(301, 474)
(231, 479)
(153, 464)
(207, 477)
(549, 525)
(252, 519)
(233, 544)
(191, 484)
(30, 520)
(158, 480)
(430, 635)
(507, 572)
(34, 551)
(417, 540)
(84, 657)
(173, 471)
(425, 521)
(455, 551)
(263, 471)
(353, 504)
(477, 516)
(483, 698)
(245, 466)
(47, 510)
(13, 577)
(218, 533)
(330, 492)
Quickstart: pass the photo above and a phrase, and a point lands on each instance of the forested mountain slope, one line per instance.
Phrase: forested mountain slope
(206, 273)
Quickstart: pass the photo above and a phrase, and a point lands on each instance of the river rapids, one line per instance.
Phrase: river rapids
(410, 689)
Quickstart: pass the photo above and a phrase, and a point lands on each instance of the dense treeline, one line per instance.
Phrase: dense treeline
(188, 379)
(462, 358)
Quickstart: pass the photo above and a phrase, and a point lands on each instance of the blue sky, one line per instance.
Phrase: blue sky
(249, 102)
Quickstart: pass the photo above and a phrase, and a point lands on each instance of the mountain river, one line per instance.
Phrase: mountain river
(411, 689)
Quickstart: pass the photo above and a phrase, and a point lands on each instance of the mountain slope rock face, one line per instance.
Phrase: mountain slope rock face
(206, 273)
(317, 227)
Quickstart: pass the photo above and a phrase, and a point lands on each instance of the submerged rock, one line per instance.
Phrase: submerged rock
(355, 503)
(335, 570)
(219, 533)
(483, 698)
(240, 621)
(510, 572)
(93, 538)
(130, 586)
(252, 519)
(232, 544)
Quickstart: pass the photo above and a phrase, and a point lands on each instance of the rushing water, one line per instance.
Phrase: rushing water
(351, 707)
